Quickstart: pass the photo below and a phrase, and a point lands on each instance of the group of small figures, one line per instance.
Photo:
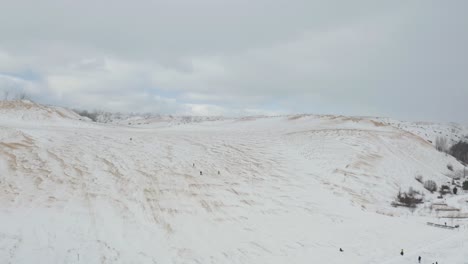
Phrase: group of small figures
(201, 172)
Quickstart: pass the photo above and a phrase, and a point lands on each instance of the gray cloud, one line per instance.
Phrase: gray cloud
(402, 59)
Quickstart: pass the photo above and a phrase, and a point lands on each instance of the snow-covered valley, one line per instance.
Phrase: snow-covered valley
(287, 189)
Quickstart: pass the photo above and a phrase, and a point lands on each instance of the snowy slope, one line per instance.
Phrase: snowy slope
(29, 111)
(289, 190)
(429, 131)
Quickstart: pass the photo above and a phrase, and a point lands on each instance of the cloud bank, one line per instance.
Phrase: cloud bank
(402, 59)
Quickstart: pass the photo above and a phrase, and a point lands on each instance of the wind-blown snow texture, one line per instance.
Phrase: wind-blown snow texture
(290, 190)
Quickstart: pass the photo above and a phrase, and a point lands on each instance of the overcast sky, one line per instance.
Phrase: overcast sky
(403, 59)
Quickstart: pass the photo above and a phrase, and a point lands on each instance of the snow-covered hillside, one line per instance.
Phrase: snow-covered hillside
(148, 119)
(29, 111)
(453, 132)
(289, 189)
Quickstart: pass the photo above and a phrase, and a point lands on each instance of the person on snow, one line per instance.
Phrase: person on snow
(201, 173)
(419, 259)
(341, 250)
(402, 253)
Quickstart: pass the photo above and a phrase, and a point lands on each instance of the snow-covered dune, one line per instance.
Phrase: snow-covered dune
(29, 111)
(288, 189)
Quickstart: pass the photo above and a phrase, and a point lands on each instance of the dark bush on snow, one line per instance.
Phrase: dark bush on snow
(90, 115)
(460, 151)
(465, 185)
(445, 189)
(410, 198)
(430, 185)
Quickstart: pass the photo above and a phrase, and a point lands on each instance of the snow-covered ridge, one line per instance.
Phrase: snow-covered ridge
(24, 110)
(28, 111)
(429, 131)
(149, 119)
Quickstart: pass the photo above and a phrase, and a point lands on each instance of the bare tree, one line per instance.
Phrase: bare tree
(465, 185)
(460, 151)
(441, 144)
(410, 198)
(430, 185)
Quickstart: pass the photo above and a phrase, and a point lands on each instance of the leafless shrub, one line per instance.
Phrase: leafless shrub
(441, 144)
(465, 185)
(91, 115)
(445, 189)
(430, 185)
(460, 151)
(410, 198)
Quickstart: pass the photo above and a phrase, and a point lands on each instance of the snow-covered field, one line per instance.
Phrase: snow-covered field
(291, 189)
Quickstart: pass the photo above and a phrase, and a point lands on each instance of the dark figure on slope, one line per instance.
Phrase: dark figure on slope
(419, 259)
(402, 253)
(341, 250)
(201, 173)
